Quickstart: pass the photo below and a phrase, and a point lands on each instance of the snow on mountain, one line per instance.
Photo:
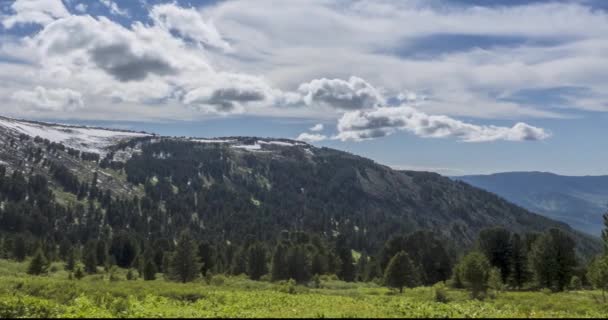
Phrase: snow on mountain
(77, 137)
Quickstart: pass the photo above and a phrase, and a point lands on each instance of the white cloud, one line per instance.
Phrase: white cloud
(189, 24)
(353, 94)
(317, 127)
(50, 99)
(36, 12)
(81, 7)
(363, 125)
(311, 137)
(114, 9)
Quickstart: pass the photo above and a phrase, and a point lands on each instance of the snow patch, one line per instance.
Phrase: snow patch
(80, 138)
(212, 141)
(250, 147)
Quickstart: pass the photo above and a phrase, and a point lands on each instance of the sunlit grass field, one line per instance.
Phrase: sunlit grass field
(98, 296)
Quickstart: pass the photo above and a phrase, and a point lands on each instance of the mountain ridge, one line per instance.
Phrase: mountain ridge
(224, 188)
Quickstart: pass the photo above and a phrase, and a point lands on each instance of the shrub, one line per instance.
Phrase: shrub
(218, 280)
(576, 283)
(440, 293)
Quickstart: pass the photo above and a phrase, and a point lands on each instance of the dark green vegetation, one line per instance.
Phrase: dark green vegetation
(577, 201)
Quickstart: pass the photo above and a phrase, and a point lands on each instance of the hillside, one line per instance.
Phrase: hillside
(236, 190)
(577, 201)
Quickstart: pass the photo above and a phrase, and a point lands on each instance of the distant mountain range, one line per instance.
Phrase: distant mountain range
(577, 201)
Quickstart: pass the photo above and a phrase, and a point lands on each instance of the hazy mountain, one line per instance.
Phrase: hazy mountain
(578, 201)
(241, 189)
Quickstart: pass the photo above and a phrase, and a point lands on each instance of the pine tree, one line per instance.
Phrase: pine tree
(150, 270)
(256, 262)
(239, 262)
(347, 264)
(78, 274)
(598, 274)
(298, 264)
(184, 266)
(38, 265)
(90, 259)
(519, 264)
(19, 249)
(605, 233)
(474, 271)
(70, 262)
(206, 253)
(279, 264)
(318, 264)
(400, 272)
(552, 259)
(495, 244)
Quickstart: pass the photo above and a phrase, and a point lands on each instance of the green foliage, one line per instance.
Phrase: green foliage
(184, 265)
(553, 259)
(495, 244)
(495, 280)
(575, 283)
(401, 272)
(598, 274)
(38, 265)
(149, 271)
(440, 292)
(256, 262)
(474, 271)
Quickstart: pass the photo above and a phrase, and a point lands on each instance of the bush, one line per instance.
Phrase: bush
(576, 283)
(288, 286)
(440, 293)
(218, 280)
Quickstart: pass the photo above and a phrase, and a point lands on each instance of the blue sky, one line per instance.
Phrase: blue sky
(452, 86)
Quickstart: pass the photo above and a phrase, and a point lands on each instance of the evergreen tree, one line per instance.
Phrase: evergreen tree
(78, 274)
(495, 244)
(70, 262)
(206, 253)
(279, 264)
(19, 249)
(519, 264)
(605, 233)
(239, 262)
(401, 272)
(598, 274)
(184, 266)
(38, 265)
(474, 271)
(149, 270)
(298, 264)
(318, 264)
(90, 259)
(256, 262)
(346, 270)
(552, 259)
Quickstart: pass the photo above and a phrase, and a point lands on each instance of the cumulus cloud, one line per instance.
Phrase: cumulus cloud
(317, 127)
(124, 64)
(36, 12)
(50, 99)
(311, 137)
(353, 94)
(363, 125)
(189, 24)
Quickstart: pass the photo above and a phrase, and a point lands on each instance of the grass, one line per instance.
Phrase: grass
(96, 296)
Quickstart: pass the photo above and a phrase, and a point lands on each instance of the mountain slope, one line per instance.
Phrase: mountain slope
(578, 201)
(242, 189)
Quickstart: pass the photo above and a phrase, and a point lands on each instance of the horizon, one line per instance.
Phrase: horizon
(385, 80)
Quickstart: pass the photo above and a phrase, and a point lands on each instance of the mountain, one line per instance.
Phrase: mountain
(236, 189)
(577, 201)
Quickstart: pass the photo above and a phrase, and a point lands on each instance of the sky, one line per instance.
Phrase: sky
(452, 86)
